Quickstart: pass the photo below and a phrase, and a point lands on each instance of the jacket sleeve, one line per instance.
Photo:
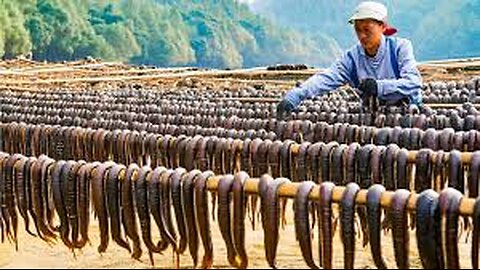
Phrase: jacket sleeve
(410, 82)
(339, 73)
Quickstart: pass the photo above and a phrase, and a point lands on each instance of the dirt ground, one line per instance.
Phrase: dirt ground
(34, 253)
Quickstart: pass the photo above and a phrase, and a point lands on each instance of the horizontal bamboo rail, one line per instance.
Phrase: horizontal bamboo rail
(412, 154)
(247, 99)
(275, 100)
(249, 73)
(289, 190)
(448, 105)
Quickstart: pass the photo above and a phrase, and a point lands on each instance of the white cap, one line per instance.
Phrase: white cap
(369, 10)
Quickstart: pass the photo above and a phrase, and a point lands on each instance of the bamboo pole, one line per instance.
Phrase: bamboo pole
(412, 154)
(248, 99)
(465, 156)
(289, 190)
(276, 100)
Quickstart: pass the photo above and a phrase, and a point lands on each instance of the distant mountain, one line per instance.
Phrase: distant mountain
(205, 33)
(224, 33)
(439, 29)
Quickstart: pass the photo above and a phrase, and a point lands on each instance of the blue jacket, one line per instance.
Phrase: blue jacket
(394, 68)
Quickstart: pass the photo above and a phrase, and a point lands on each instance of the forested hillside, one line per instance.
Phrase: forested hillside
(223, 33)
(206, 33)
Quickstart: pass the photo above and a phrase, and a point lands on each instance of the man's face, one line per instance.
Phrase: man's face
(369, 32)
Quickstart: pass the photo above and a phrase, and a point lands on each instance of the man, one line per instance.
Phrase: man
(378, 65)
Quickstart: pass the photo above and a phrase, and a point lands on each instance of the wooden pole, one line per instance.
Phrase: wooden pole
(276, 100)
(289, 190)
(412, 154)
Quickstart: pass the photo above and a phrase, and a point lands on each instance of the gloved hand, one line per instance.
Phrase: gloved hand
(368, 87)
(284, 108)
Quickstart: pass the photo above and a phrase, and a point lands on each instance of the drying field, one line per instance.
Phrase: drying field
(99, 111)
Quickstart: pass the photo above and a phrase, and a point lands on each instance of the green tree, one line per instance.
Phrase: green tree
(15, 39)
